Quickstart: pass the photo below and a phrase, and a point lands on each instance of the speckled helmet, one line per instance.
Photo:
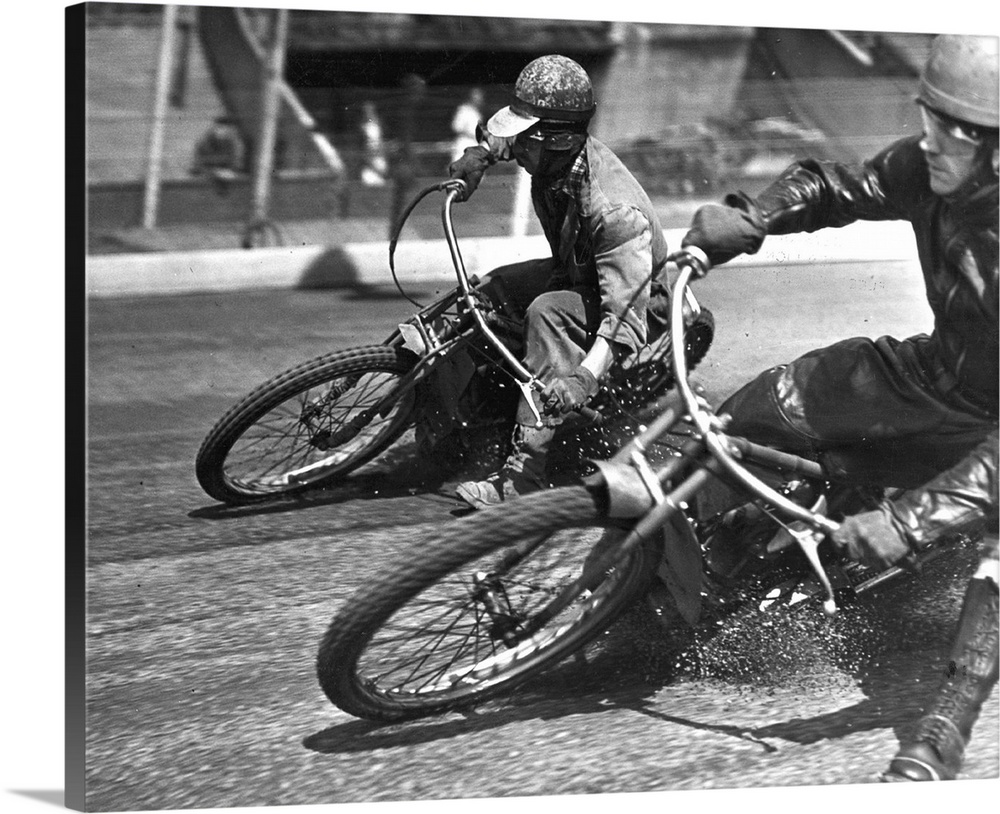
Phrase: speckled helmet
(550, 88)
(960, 79)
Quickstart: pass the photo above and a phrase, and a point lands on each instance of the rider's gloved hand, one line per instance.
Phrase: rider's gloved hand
(723, 232)
(876, 538)
(470, 168)
(568, 393)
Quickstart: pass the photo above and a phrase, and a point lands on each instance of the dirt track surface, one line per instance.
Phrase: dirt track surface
(203, 622)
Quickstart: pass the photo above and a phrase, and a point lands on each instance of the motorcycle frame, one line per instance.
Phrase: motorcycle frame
(469, 322)
(634, 488)
(463, 321)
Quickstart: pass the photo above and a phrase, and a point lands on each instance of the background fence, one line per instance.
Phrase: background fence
(752, 101)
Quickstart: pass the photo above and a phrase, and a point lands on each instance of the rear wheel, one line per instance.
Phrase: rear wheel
(307, 426)
(493, 600)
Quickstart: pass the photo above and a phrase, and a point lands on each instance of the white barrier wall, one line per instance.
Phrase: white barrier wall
(427, 263)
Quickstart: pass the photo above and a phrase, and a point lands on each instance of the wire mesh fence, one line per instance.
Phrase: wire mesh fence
(400, 129)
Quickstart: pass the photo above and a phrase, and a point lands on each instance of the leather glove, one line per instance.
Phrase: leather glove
(568, 393)
(723, 232)
(470, 168)
(875, 539)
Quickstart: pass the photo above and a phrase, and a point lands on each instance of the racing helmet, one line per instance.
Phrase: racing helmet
(960, 79)
(550, 88)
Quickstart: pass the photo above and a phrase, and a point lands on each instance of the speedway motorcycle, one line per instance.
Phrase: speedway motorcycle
(701, 521)
(451, 372)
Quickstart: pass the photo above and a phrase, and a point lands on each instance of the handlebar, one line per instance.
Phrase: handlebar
(693, 263)
(527, 381)
(708, 424)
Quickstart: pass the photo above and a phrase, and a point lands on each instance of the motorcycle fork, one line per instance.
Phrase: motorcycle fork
(663, 507)
(423, 368)
(488, 591)
(430, 343)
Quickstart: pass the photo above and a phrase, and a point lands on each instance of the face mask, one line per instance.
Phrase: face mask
(546, 153)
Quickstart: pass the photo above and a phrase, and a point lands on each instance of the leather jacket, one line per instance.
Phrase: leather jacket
(609, 239)
(957, 245)
(958, 500)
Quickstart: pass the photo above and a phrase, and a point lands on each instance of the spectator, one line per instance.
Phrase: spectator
(465, 123)
(374, 167)
(221, 154)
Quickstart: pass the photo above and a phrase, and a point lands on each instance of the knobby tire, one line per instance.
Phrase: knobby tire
(282, 438)
(365, 664)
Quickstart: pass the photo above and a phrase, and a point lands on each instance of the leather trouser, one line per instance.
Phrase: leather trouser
(560, 326)
(867, 409)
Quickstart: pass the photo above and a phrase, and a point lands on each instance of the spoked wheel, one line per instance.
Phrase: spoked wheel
(492, 601)
(307, 426)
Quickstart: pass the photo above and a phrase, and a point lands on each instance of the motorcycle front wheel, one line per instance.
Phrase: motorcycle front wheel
(473, 612)
(307, 426)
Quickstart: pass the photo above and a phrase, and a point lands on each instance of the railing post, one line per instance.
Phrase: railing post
(154, 164)
(270, 113)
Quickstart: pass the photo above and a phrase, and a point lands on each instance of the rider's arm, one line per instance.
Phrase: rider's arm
(956, 499)
(599, 358)
(623, 256)
(474, 161)
(572, 391)
(812, 195)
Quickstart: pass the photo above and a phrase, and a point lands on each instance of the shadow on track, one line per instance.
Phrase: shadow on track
(891, 701)
(383, 480)
(400, 473)
(563, 691)
(892, 647)
(546, 699)
(913, 623)
(598, 689)
(621, 670)
(360, 488)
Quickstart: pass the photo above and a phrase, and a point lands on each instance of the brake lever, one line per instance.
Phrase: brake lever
(456, 184)
(526, 393)
(808, 541)
(589, 414)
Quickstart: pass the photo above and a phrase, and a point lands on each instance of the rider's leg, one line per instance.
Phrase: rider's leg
(937, 745)
(868, 406)
(559, 326)
(521, 282)
(522, 472)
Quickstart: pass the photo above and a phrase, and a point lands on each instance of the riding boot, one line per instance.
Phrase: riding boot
(522, 472)
(937, 746)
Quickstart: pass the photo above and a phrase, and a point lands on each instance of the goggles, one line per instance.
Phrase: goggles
(950, 128)
(556, 141)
